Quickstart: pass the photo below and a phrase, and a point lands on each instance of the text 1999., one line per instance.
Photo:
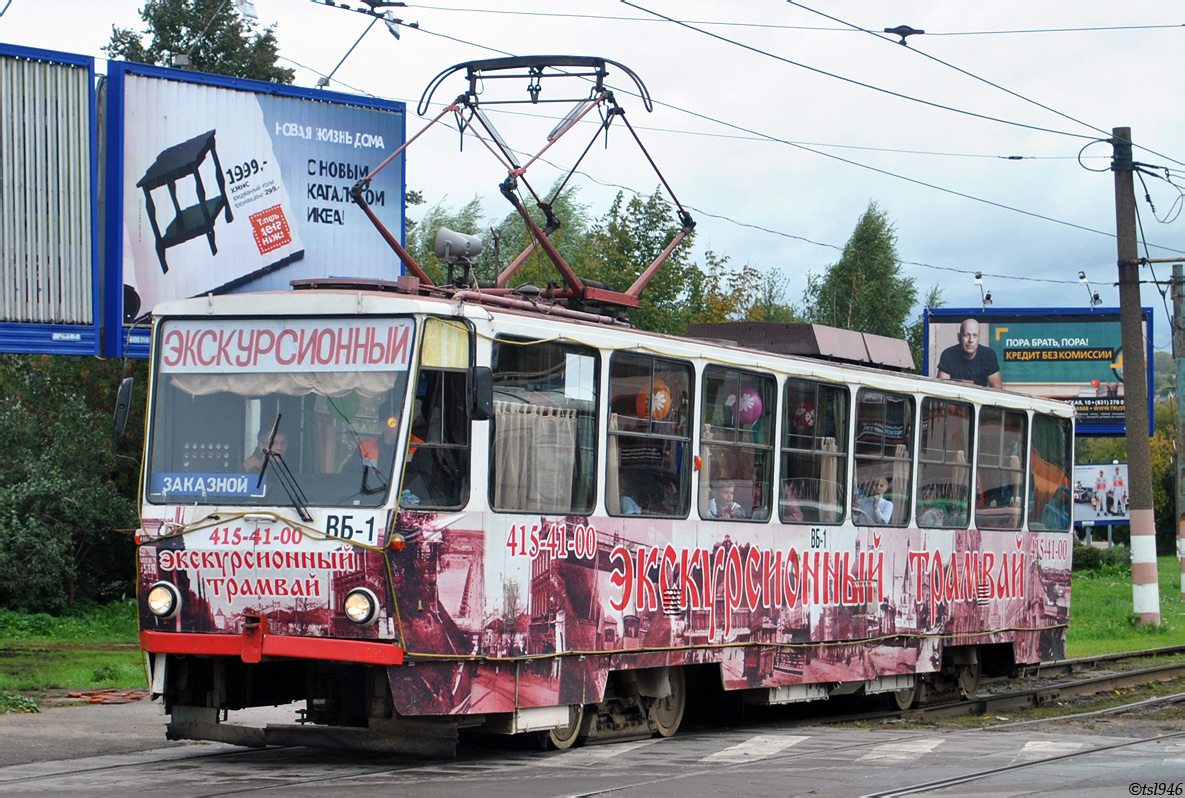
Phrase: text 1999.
(1157, 788)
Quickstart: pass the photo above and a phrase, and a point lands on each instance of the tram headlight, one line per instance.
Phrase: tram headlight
(361, 606)
(163, 600)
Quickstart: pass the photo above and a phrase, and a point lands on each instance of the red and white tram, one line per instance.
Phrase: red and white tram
(417, 511)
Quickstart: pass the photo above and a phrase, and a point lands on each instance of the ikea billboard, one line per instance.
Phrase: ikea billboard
(224, 185)
(1064, 354)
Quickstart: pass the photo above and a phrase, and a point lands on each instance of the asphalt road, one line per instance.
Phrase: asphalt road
(121, 750)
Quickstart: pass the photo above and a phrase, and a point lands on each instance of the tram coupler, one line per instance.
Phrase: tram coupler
(255, 628)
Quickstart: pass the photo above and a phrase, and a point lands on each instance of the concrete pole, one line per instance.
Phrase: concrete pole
(1145, 584)
(1179, 362)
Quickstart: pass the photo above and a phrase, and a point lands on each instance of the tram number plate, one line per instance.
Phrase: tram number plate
(350, 526)
(818, 538)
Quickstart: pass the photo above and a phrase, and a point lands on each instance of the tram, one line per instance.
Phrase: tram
(422, 509)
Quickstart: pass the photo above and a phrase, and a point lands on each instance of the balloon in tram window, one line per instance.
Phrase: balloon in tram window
(655, 404)
(749, 408)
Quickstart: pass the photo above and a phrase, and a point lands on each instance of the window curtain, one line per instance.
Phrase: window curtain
(612, 481)
(901, 484)
(291, 383)
(829, 506)
(534, 457)
(705, 474)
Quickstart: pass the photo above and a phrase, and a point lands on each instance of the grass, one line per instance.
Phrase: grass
(1101, 616)
(87, 650)
(113, 623)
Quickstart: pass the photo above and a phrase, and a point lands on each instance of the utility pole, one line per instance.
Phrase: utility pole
(1145, 585)
(1179, 362)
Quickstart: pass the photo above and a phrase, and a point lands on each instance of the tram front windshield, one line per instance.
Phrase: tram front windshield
(316, 405)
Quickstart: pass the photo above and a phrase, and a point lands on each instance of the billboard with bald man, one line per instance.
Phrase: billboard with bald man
(1071, 355)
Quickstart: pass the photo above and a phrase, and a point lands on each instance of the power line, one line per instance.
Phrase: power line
(613, 18)
(1055, 30)
(853, 81)
(792, 236)
(812, 150)
(762, 138)
(971, 75)
(775, 26)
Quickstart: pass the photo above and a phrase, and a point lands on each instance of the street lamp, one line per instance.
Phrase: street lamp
(1094, 296)
(244, 7)
(985, 297)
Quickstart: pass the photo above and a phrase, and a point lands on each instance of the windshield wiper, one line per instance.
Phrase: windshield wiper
(366, 490)
(267, 450)
(284, 475)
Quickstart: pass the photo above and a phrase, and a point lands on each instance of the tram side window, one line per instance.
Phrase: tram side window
(737, 446)
(944, 468)
(649, 436)
(1050, 466)
(884, 457)
(1000, 477)
(544, 431)
(814, 453)
(436, 469)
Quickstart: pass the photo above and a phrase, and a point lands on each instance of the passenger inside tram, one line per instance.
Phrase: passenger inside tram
(791, 506)
(255, 461)
(720, 501)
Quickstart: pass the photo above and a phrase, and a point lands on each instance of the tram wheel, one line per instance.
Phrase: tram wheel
(903, 699)
(969, 680)
(565, 737)
(668, 712)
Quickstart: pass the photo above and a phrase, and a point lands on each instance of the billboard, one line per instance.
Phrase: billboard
(48, 214)
(222, 185)
(1100, 494)
(1072, 355)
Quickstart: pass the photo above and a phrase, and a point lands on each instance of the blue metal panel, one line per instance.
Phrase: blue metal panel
(113, 229)
(49, 339)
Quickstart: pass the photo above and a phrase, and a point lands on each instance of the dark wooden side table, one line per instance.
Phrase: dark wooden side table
(176, 163)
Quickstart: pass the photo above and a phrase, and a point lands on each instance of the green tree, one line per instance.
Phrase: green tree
(1163, 453)
(216, 37)
(510, 237)
(717, 293)
(770, 303)
(1164, 475)
(624, 242)
(916, 331)
(65, 511)
(421, 237)
(1164, 376)
(865, 290)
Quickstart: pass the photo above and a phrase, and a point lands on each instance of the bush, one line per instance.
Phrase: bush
(15, 702)
(112, 623)
(1115, 559)
(61, 500)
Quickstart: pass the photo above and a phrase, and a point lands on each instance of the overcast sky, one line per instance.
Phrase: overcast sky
(776, 158)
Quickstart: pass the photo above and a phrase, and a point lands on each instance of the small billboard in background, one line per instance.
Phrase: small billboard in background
(48, 216)
(231, 185)
(1070, 355)
(1100, 494)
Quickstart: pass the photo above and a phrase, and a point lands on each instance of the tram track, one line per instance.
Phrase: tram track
(966, 778)
(1053, 688)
